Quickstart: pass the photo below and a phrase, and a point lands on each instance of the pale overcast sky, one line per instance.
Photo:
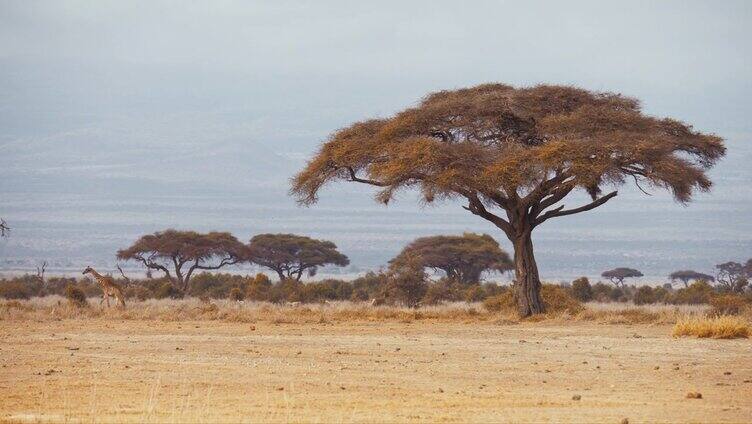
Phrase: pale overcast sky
(69, 62)
(145, 97)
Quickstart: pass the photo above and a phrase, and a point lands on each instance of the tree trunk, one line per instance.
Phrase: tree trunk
(527, 284)
(182, 281)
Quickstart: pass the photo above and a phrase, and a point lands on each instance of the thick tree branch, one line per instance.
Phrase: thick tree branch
(550, 199)
(475, 206)
(354, 178)
(149, 263)
(544, 188)
(560, 211)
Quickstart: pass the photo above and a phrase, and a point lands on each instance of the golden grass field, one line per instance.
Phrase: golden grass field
(187, 361)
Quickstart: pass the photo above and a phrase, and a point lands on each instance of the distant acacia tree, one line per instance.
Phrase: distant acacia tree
(686, 276)
(183, 252)
(290, 255)
(618, 275)
(463, 258)
(733, 276)
(4, 229)
(513, 154)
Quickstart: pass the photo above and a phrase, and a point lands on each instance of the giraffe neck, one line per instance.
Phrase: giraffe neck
(96, 275)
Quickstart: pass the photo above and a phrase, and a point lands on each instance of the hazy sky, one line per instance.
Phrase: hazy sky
(148, 96)
(295, 70)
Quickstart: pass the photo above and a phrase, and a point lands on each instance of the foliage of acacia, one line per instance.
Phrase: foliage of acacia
(513, 155)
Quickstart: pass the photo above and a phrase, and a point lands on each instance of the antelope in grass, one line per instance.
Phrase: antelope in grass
(108, 285)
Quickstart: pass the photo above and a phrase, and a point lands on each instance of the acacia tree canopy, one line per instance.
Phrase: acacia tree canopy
(685, 276)
(733, 276)
(183, 252)
(618, 275)
(513, 154)
(290, 255)
(463, 258)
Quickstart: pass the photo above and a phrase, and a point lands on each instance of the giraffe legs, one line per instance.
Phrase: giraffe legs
(106, 297)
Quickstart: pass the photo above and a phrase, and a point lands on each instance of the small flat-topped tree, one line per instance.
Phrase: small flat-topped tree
(618, 275)
(183, 252)
(512, 155)
(462, 258)
(685, 276)
(733, 276)
(290, 255)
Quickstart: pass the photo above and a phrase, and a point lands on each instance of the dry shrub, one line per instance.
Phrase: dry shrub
(167, 290)
(14, 290)
(625, 316)
(727, 304)
(138, 292)
(14, 304)
(644, 295)
(722, 327)
(556, 300)
(697, 293)
(236, 294)
(76, 297)
(503, 302)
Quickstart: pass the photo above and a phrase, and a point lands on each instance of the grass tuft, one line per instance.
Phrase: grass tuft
(722, 327)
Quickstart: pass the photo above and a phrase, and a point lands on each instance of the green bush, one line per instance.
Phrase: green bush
(661, 294)
(216, 286)
(369, 286)
(287, 290)
(697, 293)
(582, 290)
(602, 292)
(167, 290)
(617, 295)
(407, 285)
(644, 295)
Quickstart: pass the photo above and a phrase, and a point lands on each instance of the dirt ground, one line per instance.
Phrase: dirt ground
(145, 371)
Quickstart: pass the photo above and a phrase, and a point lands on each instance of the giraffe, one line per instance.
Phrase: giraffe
(108, 285)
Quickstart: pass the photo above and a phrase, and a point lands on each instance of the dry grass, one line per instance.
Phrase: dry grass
(53, 308)
(722, 327)
(191, 309)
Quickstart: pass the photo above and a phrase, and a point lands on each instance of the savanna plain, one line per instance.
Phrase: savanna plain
(192, 361)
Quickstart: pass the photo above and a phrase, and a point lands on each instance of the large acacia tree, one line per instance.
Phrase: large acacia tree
(463, 258)
(183, 252)
(513, 155)
(291, 255)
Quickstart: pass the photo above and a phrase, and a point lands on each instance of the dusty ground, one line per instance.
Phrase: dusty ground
(97, 370)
